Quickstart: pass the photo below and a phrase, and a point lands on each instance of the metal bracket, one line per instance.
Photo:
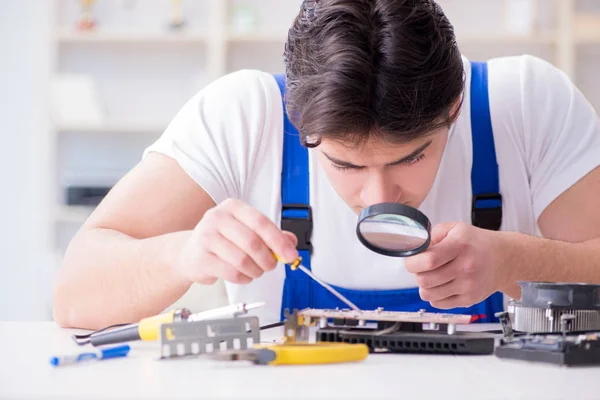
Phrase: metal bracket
(295, 328)
(507, 330)
(181, 339)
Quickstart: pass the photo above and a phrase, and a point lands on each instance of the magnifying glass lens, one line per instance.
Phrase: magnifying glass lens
(393, 232)
(394, 229)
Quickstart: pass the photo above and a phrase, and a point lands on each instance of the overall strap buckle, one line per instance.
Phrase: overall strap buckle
(486, 211)
(297, 218)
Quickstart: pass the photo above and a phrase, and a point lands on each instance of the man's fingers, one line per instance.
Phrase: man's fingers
(440, 231)
(450, 295)
(455, 301)
(292, 238)
(251, 248)
(272, 236)
(234, 256)
(438, 277)
(432, 258)
(440, 293)
(450, 302)
(226, 271)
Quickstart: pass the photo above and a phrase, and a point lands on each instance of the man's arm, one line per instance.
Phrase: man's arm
(120, 265)
(159, 229)
(560, 138)
(467, 264)
(570, 249)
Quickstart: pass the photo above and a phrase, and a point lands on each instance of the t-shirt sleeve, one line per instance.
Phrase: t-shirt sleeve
(561, 129)
(216, 136)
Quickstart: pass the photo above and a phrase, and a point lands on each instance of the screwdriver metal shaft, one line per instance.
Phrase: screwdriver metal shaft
(296, 264)
(326, 286)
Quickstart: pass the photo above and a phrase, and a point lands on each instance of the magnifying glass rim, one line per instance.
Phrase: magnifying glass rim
(398, 209)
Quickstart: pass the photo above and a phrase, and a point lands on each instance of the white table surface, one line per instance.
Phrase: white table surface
(25, 373)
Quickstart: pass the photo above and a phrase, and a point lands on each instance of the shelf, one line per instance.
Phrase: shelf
(587, 29)
(588, 36)
(73, 214)
(99, 36)
(280, 37)
(591, 38)
(536, 39)
(258, 37)
(115, 127)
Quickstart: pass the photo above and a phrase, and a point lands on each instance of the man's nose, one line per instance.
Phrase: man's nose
(379, 189)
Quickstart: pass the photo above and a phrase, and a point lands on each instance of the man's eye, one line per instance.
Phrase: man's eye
(339, 167)
(414, 159)
(343, 167)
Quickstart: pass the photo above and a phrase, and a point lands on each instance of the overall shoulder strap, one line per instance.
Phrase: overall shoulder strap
(296, 214)
(486, 207)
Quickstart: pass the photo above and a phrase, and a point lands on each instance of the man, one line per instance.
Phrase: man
(389, 111)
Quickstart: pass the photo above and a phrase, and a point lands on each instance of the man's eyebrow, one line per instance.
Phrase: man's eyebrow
(347, 164)
(415, 153)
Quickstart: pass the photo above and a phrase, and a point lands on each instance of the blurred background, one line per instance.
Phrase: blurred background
(86, 85)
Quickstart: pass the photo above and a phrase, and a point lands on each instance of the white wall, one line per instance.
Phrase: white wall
(25, 261)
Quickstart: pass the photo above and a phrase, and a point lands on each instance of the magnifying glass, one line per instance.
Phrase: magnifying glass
(394, 229)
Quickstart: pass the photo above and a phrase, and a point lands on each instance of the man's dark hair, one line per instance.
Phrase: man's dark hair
(358, 69)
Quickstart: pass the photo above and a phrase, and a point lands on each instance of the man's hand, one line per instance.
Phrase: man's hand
(463, 266)
(235, 242)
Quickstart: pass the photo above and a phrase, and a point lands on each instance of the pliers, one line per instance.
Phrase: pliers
(296, 354)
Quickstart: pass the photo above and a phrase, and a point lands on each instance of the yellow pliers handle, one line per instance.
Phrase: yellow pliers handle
(306, 353)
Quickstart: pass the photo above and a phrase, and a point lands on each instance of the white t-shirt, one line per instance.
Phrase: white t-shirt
(228, 138)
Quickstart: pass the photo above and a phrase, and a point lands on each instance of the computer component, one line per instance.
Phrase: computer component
(400, 332)
(542, 304)
(556, 323)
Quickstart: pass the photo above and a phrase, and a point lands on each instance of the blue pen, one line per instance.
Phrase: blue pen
(102, 354)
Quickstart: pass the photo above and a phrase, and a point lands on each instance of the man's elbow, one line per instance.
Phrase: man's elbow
(68, 292)
(63, 311)
(61, 314)
(69, 299)
(69, 311)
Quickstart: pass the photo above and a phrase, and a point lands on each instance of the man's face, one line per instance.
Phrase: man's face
(379, 172)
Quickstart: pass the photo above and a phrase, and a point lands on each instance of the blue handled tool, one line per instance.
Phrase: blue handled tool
(102, 354)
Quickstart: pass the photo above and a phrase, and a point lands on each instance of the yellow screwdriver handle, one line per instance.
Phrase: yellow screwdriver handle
(149, 328)
(326, 353)
(293, 265)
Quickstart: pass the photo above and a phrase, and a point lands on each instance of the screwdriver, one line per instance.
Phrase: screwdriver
(148, 329)
(297, 265)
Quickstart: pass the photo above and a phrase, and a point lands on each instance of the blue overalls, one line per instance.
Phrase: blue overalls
(301, 292)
